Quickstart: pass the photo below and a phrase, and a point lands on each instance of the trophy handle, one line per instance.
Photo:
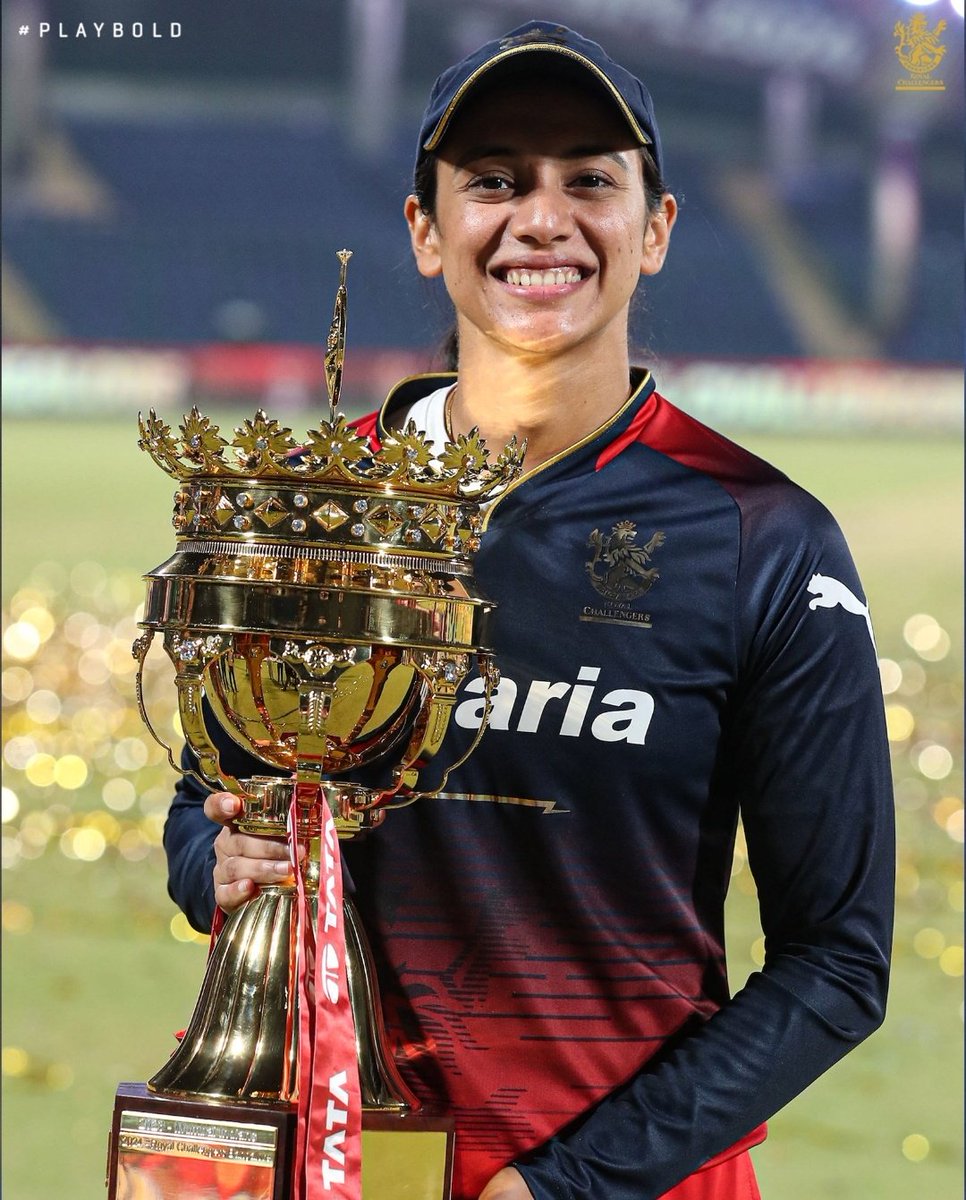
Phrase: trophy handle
(190, 693)
(140, 652)
(189, 710)
(408, 776)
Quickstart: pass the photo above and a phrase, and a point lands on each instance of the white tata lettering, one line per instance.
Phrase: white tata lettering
(336, 1119)
(330, 962)
(620, 715)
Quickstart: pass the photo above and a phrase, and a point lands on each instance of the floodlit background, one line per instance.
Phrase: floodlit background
(174, 197)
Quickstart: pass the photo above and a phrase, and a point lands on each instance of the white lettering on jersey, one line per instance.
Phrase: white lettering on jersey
(830, 593)
(625, 718)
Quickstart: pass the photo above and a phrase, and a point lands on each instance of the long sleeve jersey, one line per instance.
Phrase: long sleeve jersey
(682, 639)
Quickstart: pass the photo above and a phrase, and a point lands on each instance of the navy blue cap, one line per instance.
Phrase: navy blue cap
(566, 47)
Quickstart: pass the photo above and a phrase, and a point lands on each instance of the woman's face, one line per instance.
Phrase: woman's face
(541, 230)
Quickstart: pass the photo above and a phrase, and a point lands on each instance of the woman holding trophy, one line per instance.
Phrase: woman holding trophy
(681, 640)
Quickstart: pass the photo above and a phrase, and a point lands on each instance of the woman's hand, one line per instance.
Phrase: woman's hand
(242, 862)
(506, 1185)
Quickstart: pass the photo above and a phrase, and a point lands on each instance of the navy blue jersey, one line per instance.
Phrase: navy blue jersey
(682, 638)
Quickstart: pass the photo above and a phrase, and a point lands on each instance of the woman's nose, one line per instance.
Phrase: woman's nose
(543, 214)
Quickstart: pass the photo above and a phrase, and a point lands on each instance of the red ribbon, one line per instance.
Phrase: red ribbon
(328, 1151)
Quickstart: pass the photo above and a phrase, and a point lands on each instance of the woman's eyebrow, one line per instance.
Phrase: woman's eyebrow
(484, 151)
(599, 151)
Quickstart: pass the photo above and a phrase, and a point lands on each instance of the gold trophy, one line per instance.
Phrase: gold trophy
(321, 602)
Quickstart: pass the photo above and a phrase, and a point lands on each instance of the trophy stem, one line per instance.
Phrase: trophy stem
(242, 1040)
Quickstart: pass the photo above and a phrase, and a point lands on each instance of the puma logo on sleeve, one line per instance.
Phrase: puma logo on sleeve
(830, 593)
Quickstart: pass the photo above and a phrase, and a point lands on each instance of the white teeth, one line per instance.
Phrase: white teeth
(549, 278)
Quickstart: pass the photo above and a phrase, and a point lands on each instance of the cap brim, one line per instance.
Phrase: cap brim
(548, 48)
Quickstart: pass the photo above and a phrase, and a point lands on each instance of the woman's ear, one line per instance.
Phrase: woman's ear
(424, 238)
(657, 235)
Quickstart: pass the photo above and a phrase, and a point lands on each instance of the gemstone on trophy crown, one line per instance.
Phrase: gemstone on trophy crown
(188, 650)
(319, 659)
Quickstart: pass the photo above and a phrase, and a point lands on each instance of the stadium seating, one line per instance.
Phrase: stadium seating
(225, 228)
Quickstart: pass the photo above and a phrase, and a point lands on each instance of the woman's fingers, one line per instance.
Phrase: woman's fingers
(243, 863)
(222, 807)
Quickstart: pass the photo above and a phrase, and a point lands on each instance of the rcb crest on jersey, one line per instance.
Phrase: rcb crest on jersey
(621, 571)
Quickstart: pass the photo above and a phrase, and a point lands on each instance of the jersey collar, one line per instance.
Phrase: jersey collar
(603, 444)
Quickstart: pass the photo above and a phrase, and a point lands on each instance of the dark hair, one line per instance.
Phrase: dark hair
(424, 189)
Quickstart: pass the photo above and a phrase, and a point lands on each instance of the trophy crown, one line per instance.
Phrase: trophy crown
(321, 595)
(333, 456)
(263, 449)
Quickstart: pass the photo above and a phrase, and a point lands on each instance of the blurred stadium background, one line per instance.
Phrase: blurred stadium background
(172, 207)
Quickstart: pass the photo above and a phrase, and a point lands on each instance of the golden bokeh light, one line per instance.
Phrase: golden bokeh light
(915, 1147)
(70, 772)
(40, 769)
(21, 640)
(119, 794)
(899, 722)
(890, 675)
(922, 632)
(9, 805)
(131, 754)
(181, 931)
(16, 917)
(82, 843)
(16, 684)
(934, 761)
(929, 942)
(41, 618)
(43, 706)
(16, 1061)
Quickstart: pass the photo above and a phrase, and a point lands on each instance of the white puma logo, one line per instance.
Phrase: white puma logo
(829, 593)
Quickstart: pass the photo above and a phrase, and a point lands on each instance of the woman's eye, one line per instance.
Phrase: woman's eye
(491, 183)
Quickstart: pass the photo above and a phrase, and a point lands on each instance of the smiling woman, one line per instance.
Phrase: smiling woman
(550, 935)
(541, 231)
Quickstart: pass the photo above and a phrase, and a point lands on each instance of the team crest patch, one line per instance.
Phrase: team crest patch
(622, 572)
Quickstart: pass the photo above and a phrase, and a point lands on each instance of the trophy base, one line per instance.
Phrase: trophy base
(173, 1148)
